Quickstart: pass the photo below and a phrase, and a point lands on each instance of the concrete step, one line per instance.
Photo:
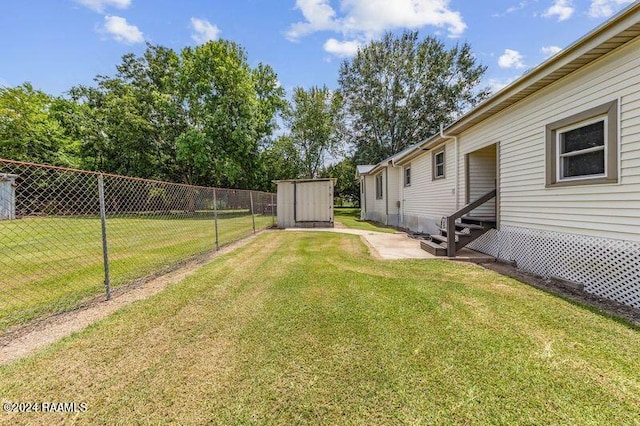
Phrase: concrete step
(439, 239)
(433, 248)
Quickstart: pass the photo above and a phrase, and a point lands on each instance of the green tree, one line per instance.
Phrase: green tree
(399, 90)
(271, 100)
(347, 188)
(30, 130)
(129, 122)
(315, 122)
(280, 160)
(197, 116)
(230, 108)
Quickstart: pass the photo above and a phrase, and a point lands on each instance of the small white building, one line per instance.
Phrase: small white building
(545, 173)
(305, 203)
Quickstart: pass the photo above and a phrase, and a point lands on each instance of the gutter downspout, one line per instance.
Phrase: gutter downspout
(455, 139)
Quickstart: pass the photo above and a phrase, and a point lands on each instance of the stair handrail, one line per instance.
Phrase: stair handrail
(451, 220)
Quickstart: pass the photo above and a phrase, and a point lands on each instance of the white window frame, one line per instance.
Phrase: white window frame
(407, 169)
(560, 156)
(436, 176)
(609, 113)
(379, 195)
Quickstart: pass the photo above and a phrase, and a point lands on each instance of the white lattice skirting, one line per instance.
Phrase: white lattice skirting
(606, 267)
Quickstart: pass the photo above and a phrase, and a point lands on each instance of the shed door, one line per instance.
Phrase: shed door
(314, 201)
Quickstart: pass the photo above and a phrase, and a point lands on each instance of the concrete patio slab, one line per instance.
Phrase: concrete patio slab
(399, 245)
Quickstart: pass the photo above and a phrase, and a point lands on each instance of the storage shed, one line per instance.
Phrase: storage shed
(7, 196)
(305, 203)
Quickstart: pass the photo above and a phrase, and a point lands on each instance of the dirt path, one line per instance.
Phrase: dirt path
(28, 340)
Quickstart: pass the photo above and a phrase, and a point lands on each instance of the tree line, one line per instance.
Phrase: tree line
(204, 116)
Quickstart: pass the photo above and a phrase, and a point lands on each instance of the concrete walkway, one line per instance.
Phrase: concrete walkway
(398, 245)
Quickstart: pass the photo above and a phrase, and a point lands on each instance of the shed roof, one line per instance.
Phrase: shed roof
(334, 180)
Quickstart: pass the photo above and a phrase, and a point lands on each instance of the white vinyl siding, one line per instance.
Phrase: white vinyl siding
(380, 203)
(482, 179)
(376, 207)
(427, 198)
(370, 183)
(609, 210)
(395, 180)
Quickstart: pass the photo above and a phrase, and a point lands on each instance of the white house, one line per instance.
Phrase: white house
(560, 147)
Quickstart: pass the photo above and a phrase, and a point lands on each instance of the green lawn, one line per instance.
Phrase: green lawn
(308, 328)
(48, 265)
(350, 218)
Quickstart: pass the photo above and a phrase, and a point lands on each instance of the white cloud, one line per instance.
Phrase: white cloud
(562, 9)
(121, 30)
(511, 59)
(203, 30)
(606, 8)
(341, 48)
(364, 20)
(319, 16)
(377, 16)
(100, 5)
(549, 51)
(511, 9)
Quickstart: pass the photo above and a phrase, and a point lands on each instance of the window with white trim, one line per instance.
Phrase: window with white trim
(379, 186)
(438, 164)
(583, 149)
(407, 175)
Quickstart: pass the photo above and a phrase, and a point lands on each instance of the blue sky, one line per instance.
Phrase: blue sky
(56, 44)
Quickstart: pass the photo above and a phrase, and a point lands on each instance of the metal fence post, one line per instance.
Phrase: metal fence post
(215, 217)
(105, 246)
(253, 217)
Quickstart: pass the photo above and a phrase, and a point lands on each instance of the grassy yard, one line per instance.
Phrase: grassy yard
(308, 328)
(49, 265)
(351, 219)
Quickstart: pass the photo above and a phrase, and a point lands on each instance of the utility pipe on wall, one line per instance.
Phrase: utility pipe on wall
(455, 140)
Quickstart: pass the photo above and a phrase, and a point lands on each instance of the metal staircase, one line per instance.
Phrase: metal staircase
(464, 229)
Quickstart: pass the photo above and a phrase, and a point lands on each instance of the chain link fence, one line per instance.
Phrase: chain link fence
(66, 235)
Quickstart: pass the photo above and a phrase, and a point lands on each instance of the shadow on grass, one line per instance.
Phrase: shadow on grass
(623, 314)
